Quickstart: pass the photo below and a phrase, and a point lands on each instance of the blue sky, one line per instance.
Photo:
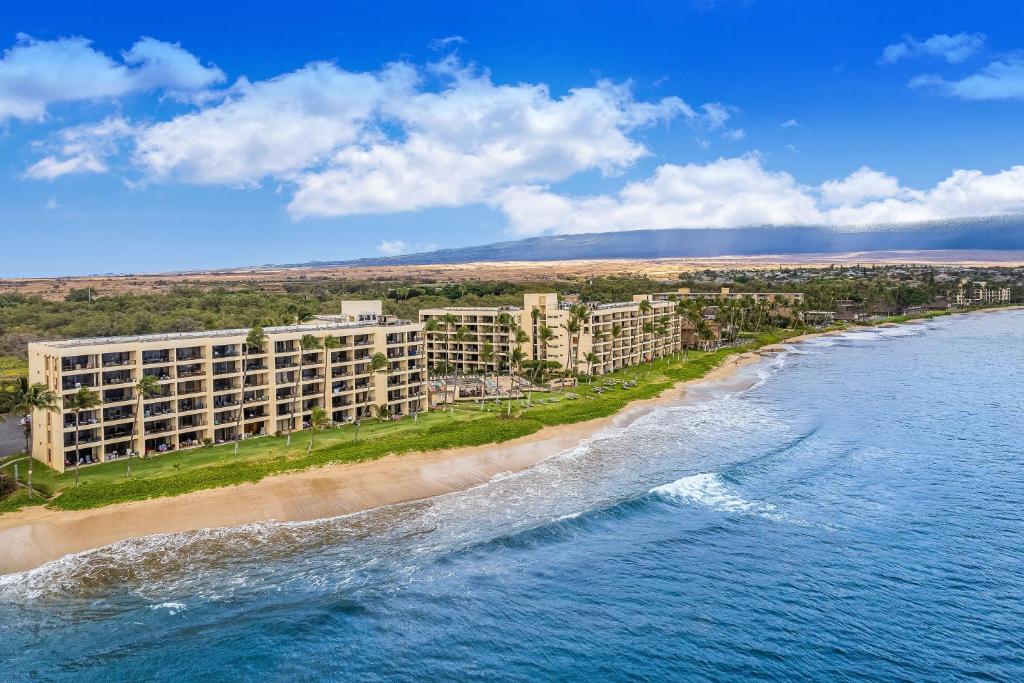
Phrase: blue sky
(192, 136)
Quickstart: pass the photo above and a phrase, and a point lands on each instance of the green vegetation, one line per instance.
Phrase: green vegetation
(12, 367)
(19, 500)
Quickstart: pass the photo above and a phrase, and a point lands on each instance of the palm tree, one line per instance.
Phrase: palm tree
(506, 323)
(306, 343)
(254, 340)
(680, 310)
(544, 334)
(379, 363)
(318, 420)
(648, 329)
(83, 399)
(616, 333)
(461, 337)
(487, 356)
(572, 328)
(515, 361)
(330, 344)
(146, 388)
(661, 328)
(451, 322)
(591, 359)
(24, 398)
(430, 329)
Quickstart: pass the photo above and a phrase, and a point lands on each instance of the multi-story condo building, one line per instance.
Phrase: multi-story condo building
(483, 324)
(212, 385)
(727, 294)
(614, 332)
(974, 293)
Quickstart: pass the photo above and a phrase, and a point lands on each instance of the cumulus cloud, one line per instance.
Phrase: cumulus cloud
(954, 49)
(82, 149)
(473, 137)
(720, 194)
(999, 80)
(861, 185)
(740, 192)
(273, 128)
(37, 73)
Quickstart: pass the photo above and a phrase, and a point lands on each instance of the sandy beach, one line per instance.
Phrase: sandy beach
(33, 536)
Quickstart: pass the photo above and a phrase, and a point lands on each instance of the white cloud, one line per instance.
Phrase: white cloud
(52, 204)
(51, 168)
(395, 247)
(446, 42)
(740, 192)
(734, 134)
(37, 73)
(716, 115)
(999, 80)
(790, 123)
(82, 149)
(392, 247)
(861, 185)
(474, 137)
(719, 194)
(273, 128)
(954, 49)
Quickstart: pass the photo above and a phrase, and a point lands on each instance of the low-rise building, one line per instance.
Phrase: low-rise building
(727, 294)
(212, 385)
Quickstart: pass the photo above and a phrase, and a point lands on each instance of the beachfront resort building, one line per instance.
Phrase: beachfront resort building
(480, 325)
(211, 385)
(977, 293)
(618, 334)
(725, 294)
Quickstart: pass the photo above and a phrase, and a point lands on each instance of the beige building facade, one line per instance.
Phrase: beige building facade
(726, 294)
(212, 384)
(613, 332)
(483, 325)
(976, 293)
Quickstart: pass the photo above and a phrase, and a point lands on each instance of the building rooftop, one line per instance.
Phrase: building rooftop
(318, 326)
(474, 309)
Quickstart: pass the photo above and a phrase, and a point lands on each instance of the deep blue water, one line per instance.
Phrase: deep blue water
(856, 514)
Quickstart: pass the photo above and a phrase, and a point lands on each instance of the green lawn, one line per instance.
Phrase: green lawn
(202, 468)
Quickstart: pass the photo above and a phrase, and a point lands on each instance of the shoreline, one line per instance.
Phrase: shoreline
(36, 535)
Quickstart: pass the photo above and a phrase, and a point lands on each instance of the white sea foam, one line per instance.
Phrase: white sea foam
(710, 490)
(171, 607)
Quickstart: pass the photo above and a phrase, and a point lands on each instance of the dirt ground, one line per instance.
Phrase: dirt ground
(513, 271)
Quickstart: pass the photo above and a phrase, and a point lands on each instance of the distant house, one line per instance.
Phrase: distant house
(848, 310)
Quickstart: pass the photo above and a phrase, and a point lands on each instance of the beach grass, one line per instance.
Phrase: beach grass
(470, 425)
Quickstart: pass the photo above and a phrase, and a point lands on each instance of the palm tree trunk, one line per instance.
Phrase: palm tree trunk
(298, 389)
(238, 419)
(28, 450)
(131, 441)
(78, 457)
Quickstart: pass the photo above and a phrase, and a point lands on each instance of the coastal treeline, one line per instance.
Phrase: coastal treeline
(91, 313)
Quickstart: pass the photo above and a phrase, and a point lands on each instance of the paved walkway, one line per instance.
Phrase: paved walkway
(12, 438)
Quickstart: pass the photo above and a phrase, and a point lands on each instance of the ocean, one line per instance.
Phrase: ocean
(850, 509)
